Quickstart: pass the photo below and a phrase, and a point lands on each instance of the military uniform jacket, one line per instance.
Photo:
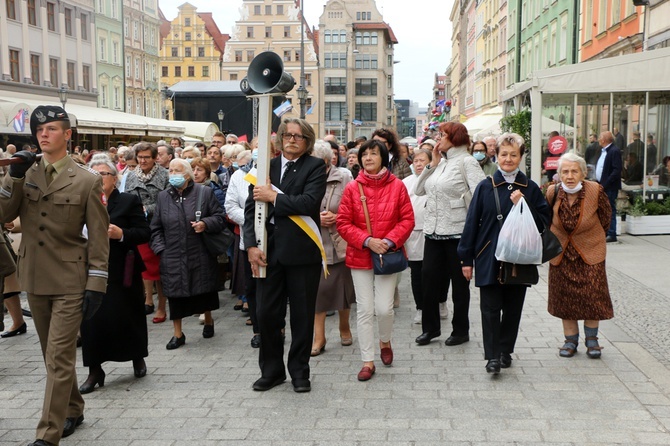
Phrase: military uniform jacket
(55, 257)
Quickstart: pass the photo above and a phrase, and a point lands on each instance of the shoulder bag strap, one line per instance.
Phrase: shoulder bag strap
(365, 208)
(198, 206)
(495, 195)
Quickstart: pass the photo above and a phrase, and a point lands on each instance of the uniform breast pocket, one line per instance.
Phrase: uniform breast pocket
(64, 206)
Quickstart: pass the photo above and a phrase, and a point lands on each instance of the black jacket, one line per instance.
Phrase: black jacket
(610, 179)
(125, 211)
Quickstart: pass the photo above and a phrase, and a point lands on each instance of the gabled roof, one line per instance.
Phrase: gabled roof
(213, 30)
(384, 26)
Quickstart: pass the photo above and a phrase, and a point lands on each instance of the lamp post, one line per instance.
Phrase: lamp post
(302, 98)
(221, 115)
(166, 96)
(62, 96)
(302, 92)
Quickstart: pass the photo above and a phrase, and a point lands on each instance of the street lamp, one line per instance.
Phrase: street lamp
(62, 95)
(345, 116)
(302, 97)
(221, 115)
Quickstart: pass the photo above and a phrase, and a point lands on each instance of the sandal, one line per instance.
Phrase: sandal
(569, 349)
(593, 350)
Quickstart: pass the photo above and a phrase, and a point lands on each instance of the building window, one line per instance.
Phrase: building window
(268, 31)
(327, 37)
(187, 36)
(366, 62)
(129, 105)
(103, 95)
(308, 80)
(68, 21)
(126, 26)
(563, 49)
(374, 36)
(137, 68)
(280, 9)
(201, 51)
(136, 30)
(616, 12)
(53, 72)
(336, 85)
(250, 32)
(389, 60)
(128, 66)
(268, 9)
(366, 111)
(86, 73)
(115, 53)
(51, 16)
(238, 56)
(11, 9)
(187, 51)
(602, 16)
(177, 71)
(175, 51)
(187, 21)
(250, 55)
(84, 27)
(297, 55)
(103, 49)
(287, 56)
(257, 9)
(164, 71)
(14, 65)
(117, 97)
(389, 81)
(32, 17)
(115, 9)
(35, 68)
(191, 71)
(366, 87)
(233, 76)
(70, 76)
(205, 71)
(334, 111)
(138, 106)
(287, 31)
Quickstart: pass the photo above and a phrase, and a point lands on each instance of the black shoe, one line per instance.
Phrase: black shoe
(27, 313)
(610, 239)
(457, 340)
(176, 342)
(256, 341)
(78, 341)
(148, 309)
(139, 368)
(41, 443)
(208, 331)
(493, 366)
(95, 376)
(263, 384)
(425, 338)
(11, 333)
(505, 360)
(301, 385)
(71, 424)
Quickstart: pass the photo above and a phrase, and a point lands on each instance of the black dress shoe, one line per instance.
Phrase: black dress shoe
(95, 376)
(41, 443)
(11, 333)
(148, 309)
(256, 341)
(457, 340)
(301, 385)
(493, 366)
(176, 342)
(208, 331)
(505, 360)
(610, 239)
(425, 338)
(263, 384)
(78, 341)
(71, 424)
(139, 368)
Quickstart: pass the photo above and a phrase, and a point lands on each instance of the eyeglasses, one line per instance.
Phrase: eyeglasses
(288, 136)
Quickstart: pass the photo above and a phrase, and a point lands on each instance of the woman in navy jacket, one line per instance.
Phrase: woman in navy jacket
(501, 305)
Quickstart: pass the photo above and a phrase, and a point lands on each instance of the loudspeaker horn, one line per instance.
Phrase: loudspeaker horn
(266, 74)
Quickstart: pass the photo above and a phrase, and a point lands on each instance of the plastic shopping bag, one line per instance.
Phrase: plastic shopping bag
(519, 240)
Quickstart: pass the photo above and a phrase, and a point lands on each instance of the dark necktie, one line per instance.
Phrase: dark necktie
(287, 168)
(50, 173)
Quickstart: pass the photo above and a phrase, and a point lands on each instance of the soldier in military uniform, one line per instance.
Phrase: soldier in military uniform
(63, 271)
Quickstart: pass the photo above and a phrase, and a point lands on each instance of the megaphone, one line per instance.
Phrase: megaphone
(266, 75)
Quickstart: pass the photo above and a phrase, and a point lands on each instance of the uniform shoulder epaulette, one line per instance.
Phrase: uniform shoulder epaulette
(85, 167)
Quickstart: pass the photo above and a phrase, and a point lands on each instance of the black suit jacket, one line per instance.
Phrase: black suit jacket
(611, 175)
(303, 189)
(125, 211)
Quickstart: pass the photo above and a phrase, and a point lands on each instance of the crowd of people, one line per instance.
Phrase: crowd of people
(118, 227)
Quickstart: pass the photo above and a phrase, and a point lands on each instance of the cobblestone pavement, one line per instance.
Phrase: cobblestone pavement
(201, 393)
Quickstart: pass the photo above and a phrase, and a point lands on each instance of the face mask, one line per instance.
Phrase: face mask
(177, 180)
(479, 156)
(254, 155)
(411, 167)
(235, 165)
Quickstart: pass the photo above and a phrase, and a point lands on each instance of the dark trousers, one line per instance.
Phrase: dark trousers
(500, 333)
(250, 291)
(440, 266)
(612, 195)
(415, 269)
(298, 285)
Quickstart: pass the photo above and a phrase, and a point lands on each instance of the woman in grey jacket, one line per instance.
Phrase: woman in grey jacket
(448, 183)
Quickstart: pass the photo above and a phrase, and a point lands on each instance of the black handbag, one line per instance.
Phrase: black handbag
(551, 246)
(217, 243)
(390, 262)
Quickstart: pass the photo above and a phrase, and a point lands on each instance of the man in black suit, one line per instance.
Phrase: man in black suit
(608, 174)
(619, 140)
(293, 259)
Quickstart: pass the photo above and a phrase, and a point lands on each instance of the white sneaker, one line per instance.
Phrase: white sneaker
(444, 312)
(417, 317)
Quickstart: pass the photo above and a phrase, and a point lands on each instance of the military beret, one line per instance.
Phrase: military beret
(44, 114)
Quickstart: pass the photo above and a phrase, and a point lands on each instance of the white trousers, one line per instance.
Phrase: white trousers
(374, 295)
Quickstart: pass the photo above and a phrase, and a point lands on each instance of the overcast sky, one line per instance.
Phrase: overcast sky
(422, 28)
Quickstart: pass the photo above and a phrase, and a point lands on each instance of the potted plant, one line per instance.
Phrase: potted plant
(648, 218)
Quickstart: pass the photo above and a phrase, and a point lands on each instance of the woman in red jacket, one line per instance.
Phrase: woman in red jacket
(391, 221)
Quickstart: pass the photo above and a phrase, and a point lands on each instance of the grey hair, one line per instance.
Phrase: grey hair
(188, 170)
(101, 159)
(489, 138)
(352, 152)
(323, 150)
(189, 149)
(233, 150)
(573, 158)
(428, 153)
(508, 138)
(243, 157)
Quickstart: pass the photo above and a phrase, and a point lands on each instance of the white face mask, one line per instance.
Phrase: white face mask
(576, 189)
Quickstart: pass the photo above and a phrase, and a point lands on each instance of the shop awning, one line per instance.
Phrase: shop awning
(202, 131)
(484, 120)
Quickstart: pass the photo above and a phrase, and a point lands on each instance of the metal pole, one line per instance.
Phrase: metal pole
(302, 59)
(263, 172)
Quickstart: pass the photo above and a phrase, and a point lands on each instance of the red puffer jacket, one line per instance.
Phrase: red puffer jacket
(391, 216)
